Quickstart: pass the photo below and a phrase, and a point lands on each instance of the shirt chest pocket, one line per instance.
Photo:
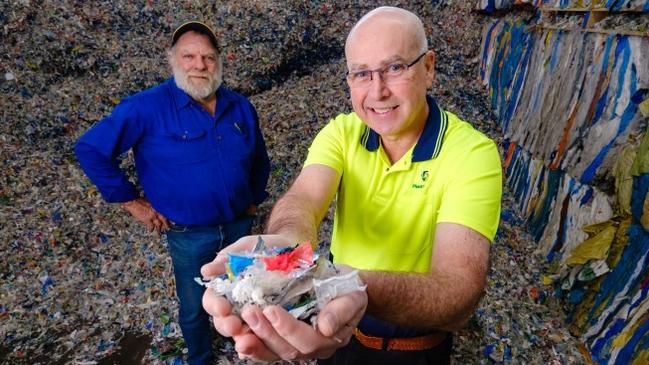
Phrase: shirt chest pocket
(189, 146)
(178, 147)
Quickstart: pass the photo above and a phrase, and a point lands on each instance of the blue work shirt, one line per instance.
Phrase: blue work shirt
(194, 168)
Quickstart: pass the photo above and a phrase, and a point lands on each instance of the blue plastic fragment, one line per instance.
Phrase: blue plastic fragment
(576, 296)
(239, 263)
(47, 282)
(507, 354)
(489, 349)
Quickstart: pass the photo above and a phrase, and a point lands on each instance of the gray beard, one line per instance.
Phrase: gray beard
(197, 92)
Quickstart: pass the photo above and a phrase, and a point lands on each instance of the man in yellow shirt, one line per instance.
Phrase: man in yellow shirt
(417, 206)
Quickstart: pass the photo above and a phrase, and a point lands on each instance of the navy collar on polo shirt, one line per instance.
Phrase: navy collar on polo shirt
(430, 142)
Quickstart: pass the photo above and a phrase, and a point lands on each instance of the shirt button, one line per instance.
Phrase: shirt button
(218, 138)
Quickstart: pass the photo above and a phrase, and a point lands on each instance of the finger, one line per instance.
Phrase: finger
(217, 266)
(165, 225)
(248, 345)
(220, 309)
(226, 322)
(213, 269)
(346, 310)
(229, 326)
(156, 225)
(274, 343)
(149, 225)
(216, 305)
(149, 213)
(298, 334)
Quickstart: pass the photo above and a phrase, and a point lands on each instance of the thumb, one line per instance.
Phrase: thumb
(214, 268)
(346, 310)
(217, 267)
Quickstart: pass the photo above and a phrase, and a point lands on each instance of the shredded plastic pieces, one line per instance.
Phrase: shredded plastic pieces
(295, 278)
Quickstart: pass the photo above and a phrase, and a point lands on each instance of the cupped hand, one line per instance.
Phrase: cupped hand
(272, 333)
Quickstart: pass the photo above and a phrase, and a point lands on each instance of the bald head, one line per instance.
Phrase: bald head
(387, 18)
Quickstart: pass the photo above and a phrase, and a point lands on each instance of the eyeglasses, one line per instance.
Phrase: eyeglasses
(390, 74)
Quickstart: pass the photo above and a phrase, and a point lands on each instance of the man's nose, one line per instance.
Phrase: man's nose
(378, 88)
(199, 63)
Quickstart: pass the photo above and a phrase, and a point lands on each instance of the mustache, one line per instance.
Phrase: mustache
(206, 75)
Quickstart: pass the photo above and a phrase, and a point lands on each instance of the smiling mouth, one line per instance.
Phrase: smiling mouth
(383, 110)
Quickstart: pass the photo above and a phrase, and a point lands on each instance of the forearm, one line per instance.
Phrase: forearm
(294, 219)
(297, 215)
(111, 182)
(438, 299)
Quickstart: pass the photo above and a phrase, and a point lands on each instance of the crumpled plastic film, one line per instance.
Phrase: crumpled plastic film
(292, 277)
(335, 286)
(595, 247)
(644, 108)
(641, 162)
(624, 179)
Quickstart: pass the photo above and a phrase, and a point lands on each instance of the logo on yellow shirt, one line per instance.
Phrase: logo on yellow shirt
(423, 177)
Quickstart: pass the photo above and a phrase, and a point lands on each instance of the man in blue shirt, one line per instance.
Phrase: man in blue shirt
(201, 162)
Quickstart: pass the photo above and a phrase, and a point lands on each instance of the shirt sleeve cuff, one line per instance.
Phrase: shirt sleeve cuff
(121, 194)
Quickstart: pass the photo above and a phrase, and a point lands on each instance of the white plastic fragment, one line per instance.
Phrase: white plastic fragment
(328, 289)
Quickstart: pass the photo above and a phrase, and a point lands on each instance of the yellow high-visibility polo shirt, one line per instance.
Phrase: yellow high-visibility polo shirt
(386, 213)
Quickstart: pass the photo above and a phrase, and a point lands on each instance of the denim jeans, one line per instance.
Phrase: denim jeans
(191, 247)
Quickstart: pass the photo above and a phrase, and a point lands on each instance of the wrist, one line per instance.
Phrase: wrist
(129, 203)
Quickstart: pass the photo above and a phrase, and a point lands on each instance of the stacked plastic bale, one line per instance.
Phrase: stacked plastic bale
(570, 107)
(614, 5)
(621, 5)
(490, 6)
(567, 4)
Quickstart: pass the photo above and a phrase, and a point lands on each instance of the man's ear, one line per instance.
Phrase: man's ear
(170, 56)
(429, 63)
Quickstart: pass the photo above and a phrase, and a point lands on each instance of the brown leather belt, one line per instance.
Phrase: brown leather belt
(401, 344)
